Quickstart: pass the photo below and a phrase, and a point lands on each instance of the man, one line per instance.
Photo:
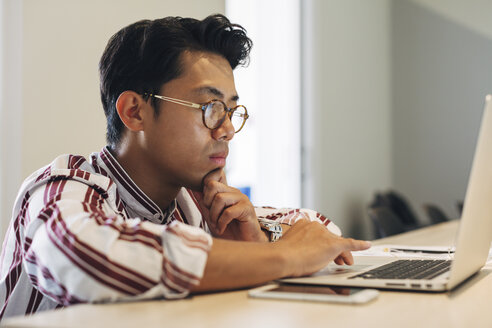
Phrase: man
(151, 215)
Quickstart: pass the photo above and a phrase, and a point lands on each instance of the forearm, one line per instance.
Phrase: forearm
(234, 264)
(306, 248)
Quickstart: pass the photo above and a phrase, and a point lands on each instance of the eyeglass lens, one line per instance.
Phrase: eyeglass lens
(215, 114)
(238, 118)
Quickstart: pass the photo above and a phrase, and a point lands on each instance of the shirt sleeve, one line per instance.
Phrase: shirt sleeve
(290, 216)
(77, 248)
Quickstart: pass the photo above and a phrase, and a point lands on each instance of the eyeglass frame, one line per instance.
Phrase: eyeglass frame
(228, 111)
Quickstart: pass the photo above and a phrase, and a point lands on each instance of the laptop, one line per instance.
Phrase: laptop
(472, 243)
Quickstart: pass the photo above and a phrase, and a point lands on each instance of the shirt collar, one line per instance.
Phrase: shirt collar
(137, 202)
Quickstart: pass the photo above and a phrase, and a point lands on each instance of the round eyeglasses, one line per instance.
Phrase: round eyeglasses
(213, 112)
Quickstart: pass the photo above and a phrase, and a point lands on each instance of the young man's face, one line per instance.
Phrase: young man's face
(180, 147)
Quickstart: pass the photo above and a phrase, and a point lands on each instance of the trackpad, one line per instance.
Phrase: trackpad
(361, 264)
(341, 269)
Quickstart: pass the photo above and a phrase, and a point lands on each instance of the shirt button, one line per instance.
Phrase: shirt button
(157, 216)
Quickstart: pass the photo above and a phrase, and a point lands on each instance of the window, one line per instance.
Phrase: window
(265, 155)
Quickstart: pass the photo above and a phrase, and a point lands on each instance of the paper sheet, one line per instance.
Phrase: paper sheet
(407, 251)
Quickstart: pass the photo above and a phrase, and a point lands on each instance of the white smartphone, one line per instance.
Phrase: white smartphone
(315, 293)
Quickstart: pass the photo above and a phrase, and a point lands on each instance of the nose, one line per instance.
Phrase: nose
(225, 131)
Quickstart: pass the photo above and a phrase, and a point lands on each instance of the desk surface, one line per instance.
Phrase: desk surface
(470, 305)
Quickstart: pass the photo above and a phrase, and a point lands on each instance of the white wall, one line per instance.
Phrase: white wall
(347, 108)
(442, 70)
(472, 14)
(393, 92)
(63, 41)
(10, 107)
(58, 89)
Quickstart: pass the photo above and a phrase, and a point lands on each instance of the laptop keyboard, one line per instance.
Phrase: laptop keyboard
(407, 269)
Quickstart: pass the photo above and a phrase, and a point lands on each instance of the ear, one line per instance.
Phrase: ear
(131, 107)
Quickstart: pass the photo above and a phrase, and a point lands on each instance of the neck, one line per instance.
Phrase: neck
(134, 162)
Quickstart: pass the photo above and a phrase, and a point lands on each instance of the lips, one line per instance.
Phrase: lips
(219, 158)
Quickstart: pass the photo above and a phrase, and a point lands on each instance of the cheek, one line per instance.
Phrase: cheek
(183, 139)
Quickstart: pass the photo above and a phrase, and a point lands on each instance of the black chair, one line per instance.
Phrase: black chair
(401, 207)
(459, 207)
(386, 222)
(380, 200)
(435, 214)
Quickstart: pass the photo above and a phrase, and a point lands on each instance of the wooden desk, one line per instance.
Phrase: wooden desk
(470, 305)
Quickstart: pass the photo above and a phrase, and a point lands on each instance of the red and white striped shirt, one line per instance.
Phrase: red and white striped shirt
(84, 232)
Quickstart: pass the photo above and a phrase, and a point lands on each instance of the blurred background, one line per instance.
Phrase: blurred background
(347, 97)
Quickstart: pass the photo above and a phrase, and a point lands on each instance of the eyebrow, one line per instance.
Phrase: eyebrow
(214, 91)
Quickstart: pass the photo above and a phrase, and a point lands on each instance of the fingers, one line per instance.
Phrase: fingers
(227, 207)
(239, 212)
(212, 187)
(345, 258)
(224, 203)
(356, 245)
(313, 246)
(220, 202)
(215, 175)
(339, 261)
(350, 244)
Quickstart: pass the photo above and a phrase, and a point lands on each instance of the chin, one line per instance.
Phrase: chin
(196, 185)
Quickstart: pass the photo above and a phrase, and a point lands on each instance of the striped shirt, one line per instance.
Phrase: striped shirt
(83, 231)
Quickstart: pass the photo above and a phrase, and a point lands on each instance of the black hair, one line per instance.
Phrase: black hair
(145, 55)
